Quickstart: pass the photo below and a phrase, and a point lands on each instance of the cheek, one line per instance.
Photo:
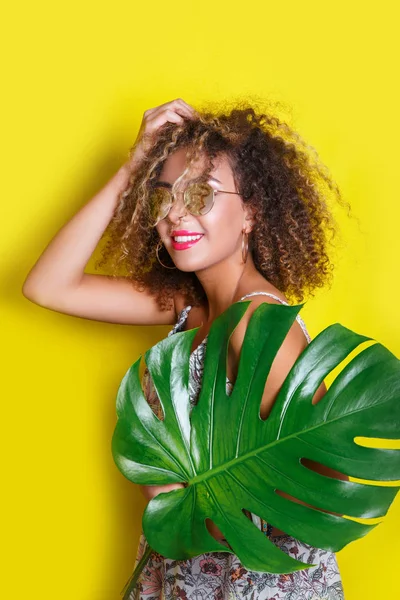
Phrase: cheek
(162, 229)
(224, 220)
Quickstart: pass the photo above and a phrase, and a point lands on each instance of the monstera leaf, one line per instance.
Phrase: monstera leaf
(230, 459)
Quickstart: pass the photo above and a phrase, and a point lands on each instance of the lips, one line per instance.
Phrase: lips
(184, 245)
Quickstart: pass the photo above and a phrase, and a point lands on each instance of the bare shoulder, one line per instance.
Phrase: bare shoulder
(295, 341)
(178, 302)
(292, 346)
(195, 315)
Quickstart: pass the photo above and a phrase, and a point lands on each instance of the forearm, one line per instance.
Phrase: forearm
(62, 263)
(151, 491)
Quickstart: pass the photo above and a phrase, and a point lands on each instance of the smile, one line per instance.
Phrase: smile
(182, 242)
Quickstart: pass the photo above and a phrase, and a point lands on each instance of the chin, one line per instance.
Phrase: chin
(189, 266)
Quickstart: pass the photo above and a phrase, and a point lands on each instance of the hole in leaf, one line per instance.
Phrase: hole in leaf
(319, 393)
(330, 377)
(214, 530)
(142, 367)
(322, 469)
(247, 513)
(297, 501)
(269, 400)
(370, 442)
(365, 521)
(266, 410)
(231, 371)
(150, 394)
(265, 526)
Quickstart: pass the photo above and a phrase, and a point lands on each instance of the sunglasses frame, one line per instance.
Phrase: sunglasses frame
(168, 187)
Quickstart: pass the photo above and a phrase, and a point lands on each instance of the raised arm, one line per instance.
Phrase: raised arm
(57, 281)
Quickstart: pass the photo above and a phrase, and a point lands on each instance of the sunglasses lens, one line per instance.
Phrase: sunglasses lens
(160, 202)
(199, 198)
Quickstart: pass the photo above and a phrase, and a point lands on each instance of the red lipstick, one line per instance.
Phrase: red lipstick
(184, 244)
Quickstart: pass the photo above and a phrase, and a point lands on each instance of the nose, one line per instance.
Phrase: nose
(178, 209)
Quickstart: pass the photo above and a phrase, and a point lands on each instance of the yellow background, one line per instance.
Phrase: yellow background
(77, 78)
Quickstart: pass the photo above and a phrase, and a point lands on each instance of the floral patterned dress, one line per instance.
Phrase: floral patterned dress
(220, 575)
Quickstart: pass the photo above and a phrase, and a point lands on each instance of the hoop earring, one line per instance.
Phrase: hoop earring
(158, 247)
(245, 246)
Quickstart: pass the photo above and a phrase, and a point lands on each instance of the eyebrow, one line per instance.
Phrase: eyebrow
(169, 185)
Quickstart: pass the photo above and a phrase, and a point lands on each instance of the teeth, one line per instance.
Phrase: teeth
(186, 238)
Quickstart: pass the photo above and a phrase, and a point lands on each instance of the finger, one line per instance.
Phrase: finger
(184, 112)
(158, 110)
(190, 111)
(160, 107)
(172, 106)
(149, 111)
(168, 115)
(179, 105)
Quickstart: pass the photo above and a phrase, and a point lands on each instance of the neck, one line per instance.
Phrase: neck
(223, 283)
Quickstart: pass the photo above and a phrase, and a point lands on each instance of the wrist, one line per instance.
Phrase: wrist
(124, 173)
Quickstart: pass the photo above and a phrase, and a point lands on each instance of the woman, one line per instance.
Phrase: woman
(210, 209)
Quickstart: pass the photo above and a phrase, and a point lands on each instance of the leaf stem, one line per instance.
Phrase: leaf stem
(131, 583)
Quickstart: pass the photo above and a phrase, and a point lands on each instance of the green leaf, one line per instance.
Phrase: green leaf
(230, 459)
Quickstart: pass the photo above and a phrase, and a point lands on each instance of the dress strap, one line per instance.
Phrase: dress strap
(298, 318)
(264, 294)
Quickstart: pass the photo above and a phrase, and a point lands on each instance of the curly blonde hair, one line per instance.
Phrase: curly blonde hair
(275, 171)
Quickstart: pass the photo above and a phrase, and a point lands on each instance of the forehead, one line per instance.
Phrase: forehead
(176, 163)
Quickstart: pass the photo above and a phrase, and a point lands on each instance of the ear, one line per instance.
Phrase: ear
(249, 217)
